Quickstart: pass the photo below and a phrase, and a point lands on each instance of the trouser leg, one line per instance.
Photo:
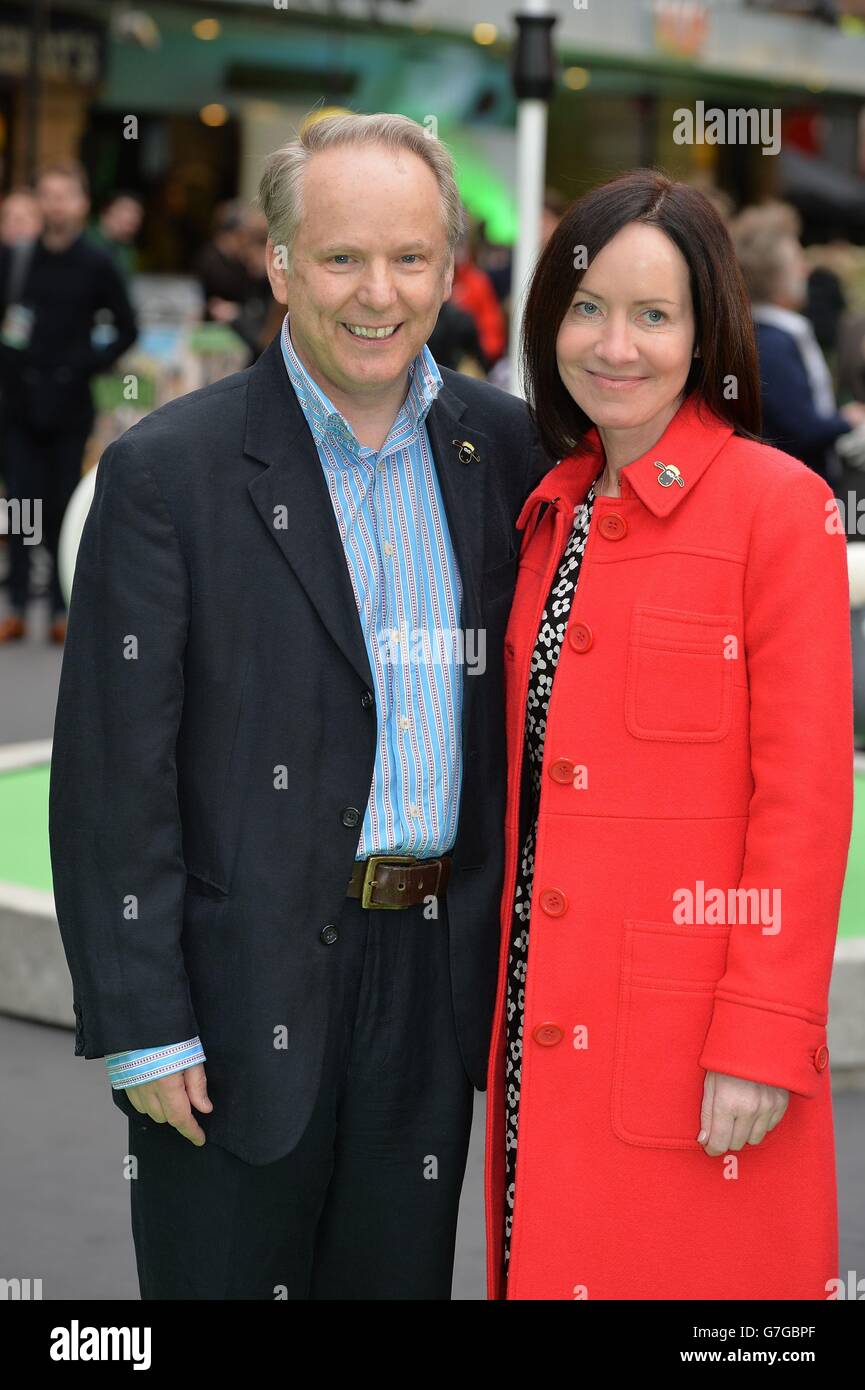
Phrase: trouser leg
(388, 1227)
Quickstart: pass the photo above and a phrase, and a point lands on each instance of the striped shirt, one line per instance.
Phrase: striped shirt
(407, 587)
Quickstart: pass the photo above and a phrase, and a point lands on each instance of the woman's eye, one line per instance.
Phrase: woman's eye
(659, 312)
(585, 304)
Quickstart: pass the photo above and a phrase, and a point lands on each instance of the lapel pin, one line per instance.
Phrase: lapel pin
(467, 452)
(669, 474)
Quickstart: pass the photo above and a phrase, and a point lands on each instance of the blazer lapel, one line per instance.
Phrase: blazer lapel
(292, 498)
(463, 488)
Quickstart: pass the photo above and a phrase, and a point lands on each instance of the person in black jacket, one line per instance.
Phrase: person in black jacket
(48, 355)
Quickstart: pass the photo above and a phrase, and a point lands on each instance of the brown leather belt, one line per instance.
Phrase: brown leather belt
(398, 880)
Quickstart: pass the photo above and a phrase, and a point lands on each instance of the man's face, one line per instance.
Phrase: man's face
(122, 220)
(370, 253)
(20, 219)
(62, 202)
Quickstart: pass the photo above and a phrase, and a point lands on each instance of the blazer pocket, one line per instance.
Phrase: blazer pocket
(201, 887)
(679, 682)
(667, 985)
(500, 580)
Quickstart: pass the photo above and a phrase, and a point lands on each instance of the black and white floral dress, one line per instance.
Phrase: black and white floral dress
(554, 621)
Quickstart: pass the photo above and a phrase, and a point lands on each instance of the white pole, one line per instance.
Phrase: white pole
(531, 160)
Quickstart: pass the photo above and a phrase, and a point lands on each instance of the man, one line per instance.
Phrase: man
(117, 229)
(284, 660)
(47, 359)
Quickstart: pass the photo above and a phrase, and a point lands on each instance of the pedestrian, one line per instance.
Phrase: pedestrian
(50, 348)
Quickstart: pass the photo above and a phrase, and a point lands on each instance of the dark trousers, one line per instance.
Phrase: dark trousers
(365, 1207)
(45, 466)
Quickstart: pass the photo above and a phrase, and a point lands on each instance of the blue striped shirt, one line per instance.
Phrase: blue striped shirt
(406, 582)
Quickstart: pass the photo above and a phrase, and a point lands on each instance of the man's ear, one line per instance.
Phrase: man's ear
(448, 282)
(276, 259)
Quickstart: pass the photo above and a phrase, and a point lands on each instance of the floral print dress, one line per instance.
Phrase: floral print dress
(554, 621)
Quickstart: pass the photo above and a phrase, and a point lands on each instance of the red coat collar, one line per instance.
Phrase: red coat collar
(693, 438)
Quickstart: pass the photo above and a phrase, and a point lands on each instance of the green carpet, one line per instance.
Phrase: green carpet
(24, 842)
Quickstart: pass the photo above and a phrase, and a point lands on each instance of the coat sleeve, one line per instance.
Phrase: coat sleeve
(771, 1005)
(114, 823)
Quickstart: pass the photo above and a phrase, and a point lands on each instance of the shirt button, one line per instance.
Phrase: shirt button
(329, 934)
(350, 815)
(562, 770)
(612, 526)
(553, 902)
(404, 721)
(414, 810)
(367, 699)
(389, 549)
(821, 1057)
(547, 1034)
(580, 636)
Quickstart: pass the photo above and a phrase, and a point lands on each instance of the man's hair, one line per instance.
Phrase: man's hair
(280, 192)
(67, 169)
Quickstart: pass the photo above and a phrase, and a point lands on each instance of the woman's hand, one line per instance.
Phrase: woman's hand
(737, 1112)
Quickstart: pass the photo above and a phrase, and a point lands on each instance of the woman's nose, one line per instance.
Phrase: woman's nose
(615, 343)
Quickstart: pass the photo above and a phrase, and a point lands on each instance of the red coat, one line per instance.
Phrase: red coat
(705, 686)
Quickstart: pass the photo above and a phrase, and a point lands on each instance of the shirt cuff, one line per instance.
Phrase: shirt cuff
(134, 1068)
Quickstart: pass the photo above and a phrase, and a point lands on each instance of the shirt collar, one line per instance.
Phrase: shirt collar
(425, 382)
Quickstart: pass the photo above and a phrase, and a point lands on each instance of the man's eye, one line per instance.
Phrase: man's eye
(341, 257)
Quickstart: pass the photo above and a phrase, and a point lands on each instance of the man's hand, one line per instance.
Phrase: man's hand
(737, 1112)
(168, 1101)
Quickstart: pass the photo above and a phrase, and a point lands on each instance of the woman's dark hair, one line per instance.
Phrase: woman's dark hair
(722, 314)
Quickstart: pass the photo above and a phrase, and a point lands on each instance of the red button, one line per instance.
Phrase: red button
(554, 902)
(580, 636)
(821, 1057)
(612, 526)
(548, 1034)
(562, 770)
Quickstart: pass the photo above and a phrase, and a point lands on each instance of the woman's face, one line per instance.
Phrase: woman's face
(625, 345)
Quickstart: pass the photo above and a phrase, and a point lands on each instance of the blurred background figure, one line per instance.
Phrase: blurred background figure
(20, 218)
(474, 294)
(117, 228)
(255, 316)
(222, 263)
(51, 345)
(800, 415)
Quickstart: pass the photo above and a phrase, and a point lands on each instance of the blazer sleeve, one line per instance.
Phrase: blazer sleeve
(771, 1005)
(113, 816)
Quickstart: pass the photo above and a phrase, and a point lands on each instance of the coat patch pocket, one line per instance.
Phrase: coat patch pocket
(666, 997)
(679, 680)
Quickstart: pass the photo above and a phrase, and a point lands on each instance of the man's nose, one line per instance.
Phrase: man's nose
(377, 289)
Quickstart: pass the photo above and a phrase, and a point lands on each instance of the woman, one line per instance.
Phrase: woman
(679, 705)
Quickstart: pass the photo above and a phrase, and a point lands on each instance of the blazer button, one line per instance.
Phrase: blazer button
(580, 636)
(350, 815)
(553, 902)
(821, 1057)
(367, 699)
(329, 934)
(562, 770)
(547, 1034)
(612, 526)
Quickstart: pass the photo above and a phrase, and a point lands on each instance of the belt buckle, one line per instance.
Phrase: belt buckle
(369, 881)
